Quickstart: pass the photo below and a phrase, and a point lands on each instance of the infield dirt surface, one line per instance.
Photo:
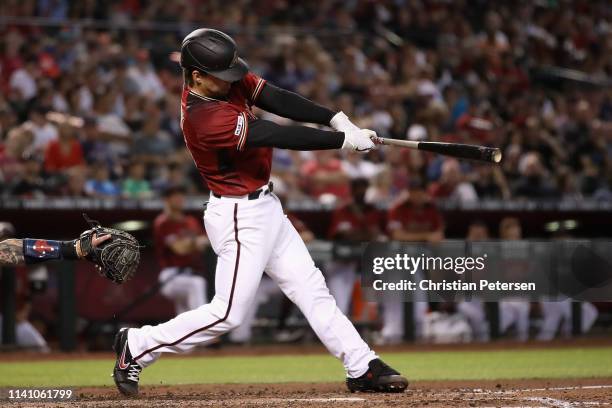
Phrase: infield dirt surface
(523, 393)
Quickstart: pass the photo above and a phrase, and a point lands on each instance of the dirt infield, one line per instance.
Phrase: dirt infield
(525, 393)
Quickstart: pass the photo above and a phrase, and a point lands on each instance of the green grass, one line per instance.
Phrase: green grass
(432, 365)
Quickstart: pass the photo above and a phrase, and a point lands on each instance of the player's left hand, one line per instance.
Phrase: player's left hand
(341, 123)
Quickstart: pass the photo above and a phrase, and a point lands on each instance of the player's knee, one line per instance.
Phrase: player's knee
(218, 308)
(234, 320)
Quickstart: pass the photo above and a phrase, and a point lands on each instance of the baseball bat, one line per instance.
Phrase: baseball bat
(461, 151)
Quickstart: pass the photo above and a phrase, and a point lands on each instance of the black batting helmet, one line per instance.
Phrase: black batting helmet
(213, 52)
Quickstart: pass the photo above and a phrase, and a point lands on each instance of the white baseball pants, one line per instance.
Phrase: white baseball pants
(515, 312)
(187, 291)
(341, 277)
(560, 313)
(250, 236)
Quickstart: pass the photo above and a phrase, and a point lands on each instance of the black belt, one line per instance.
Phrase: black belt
(254, 195)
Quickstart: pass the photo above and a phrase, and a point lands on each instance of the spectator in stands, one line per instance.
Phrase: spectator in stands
(110, 124)
(490, 183)
(452, 185)
(44, 131)
(18, 141)
(95, 146)
(380, 189)
(8, 119)
(135, 185)
(31, 182)
(22, 83)
(145, 77)
(447, 77)
(604, 192)
(355, 167)
(100, 185)
(127, 80)
(534, 182)
(76, 182)
(64, 152)
(568, 185)
(172, 175)
(324, 175)
(152, 145)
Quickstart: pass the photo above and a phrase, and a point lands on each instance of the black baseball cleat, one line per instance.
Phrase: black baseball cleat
(379, 378)
(127, 372)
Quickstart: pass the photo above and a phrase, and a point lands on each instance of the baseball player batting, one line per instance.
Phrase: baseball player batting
(244, 220)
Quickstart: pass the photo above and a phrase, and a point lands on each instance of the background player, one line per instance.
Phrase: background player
(179, 243)
(514, 313)
(352, 223)
(474, 310)
(244, 221)
(413, 218)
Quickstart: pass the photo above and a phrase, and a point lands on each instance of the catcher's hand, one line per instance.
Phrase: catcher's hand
(115, 253)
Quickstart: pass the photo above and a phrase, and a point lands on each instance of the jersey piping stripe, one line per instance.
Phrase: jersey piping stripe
(229, 303)
(257, 89)
(243, 132)
(206, 98)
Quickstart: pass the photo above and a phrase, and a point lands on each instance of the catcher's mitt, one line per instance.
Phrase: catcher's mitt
(116, 258)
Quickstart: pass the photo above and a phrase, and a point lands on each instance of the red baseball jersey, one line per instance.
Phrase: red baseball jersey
(298, 224)
(366, 224)
(165, 230)
(215, 132)
(413, 219)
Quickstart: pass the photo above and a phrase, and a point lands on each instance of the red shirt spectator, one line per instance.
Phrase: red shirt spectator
(63, 152)
(61, 156)
(325, 175)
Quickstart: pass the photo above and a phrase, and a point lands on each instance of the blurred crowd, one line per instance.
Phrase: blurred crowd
(422, 70)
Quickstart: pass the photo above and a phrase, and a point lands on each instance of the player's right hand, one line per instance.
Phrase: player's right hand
(360, 140)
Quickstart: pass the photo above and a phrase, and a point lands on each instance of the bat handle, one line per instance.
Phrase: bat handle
(410, 144)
